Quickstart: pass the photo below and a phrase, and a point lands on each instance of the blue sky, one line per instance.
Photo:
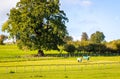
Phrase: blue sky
(84, 16)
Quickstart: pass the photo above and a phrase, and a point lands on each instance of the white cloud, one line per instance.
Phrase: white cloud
(87, 21)
(5, 6)
(69, 2)
(84, 3)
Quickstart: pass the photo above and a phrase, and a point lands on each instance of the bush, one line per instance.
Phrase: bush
(12, 72)
(70, 49)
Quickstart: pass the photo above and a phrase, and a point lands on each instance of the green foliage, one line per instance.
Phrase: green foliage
(96, 48)
(114, 46)
(68, 38)
(37, 24)
(70, 48)
(106, 48)
(97, 37)
(5, 25)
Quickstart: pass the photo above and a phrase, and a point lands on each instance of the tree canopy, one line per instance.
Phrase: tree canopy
(37, 24)
(97, 37)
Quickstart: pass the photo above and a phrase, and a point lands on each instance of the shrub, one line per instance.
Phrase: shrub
(12, 72)
(70, 49)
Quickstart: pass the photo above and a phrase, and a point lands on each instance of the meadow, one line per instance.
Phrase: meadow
(19, 64)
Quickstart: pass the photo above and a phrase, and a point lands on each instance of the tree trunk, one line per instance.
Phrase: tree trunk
(40, 53)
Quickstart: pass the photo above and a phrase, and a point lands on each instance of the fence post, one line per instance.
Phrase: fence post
(40, 68)
(65, 67)
(15, 69)
(6, 69)
(32, 68)
(24, 69)
(49, 68)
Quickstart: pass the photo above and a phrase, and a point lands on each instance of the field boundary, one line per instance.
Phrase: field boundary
(65, 64)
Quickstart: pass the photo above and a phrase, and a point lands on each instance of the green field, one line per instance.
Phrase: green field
(18, 64)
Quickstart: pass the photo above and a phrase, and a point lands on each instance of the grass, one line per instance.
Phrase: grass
(18, 64)
(13, 51)
(63, 72)
(62, 68)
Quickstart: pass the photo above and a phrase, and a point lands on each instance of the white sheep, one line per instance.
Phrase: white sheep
(79, 59)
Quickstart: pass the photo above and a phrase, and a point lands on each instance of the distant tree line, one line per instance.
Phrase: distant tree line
(95, 45)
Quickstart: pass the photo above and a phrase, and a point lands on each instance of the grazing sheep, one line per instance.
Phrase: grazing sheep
(79, 59)
(83, 58)
(86, 57)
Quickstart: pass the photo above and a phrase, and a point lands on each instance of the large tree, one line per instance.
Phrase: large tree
(97, 37)
(37, 24)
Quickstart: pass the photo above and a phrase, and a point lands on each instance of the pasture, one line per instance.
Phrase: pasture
(17, 64)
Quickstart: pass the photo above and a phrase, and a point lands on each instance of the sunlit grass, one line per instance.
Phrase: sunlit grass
(19, 64)
(62, 72)
(13, 51)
